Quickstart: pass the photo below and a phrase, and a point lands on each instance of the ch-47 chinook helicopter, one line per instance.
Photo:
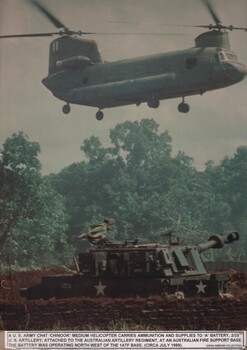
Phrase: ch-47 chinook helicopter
(78, 74)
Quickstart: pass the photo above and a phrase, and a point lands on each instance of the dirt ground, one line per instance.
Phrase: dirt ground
(225, 313)
(11, 282)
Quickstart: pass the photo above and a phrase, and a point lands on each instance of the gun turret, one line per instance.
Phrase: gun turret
(218, 241)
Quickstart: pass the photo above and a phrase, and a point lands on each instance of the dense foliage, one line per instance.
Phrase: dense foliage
(147, 190)
(32, 215)
(136, 180)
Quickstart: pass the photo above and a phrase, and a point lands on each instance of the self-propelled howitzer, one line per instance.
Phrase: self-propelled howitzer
(130, 269)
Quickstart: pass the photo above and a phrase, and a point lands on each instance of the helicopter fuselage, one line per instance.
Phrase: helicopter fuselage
(152, 78)
(78, 75)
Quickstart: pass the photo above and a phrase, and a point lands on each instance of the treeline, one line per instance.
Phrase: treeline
(135, 180)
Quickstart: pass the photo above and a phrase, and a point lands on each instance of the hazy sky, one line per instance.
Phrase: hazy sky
(215, 126)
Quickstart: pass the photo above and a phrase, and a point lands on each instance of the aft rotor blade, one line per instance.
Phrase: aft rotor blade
(48, 14)
(212, 11)
(238, 28)
(28, 35)
(208, 26)
(221, 26)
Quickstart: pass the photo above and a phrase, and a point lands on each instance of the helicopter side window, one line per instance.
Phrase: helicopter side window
(85, 80)
(191, 63)
(216, 58)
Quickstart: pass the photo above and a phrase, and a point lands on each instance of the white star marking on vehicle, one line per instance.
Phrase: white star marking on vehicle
(100, 288)
(201, 287)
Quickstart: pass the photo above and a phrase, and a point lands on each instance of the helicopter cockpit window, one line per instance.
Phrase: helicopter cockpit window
(227, 56)
(191, 63)
(231, 56)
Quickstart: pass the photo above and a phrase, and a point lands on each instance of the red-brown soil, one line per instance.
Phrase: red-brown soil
(228, 313)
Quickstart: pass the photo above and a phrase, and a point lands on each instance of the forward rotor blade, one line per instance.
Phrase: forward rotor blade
(78, 33)
(28, 35)
(126, 33)
(152, 23)
(212, 11)
(48, 14)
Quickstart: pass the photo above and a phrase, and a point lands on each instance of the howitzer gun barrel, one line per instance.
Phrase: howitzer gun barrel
(218, 241)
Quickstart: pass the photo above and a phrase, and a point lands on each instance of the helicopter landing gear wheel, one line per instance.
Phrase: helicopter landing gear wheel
(153, 102)
(99, 115)
(183, 107)
(66, 109)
